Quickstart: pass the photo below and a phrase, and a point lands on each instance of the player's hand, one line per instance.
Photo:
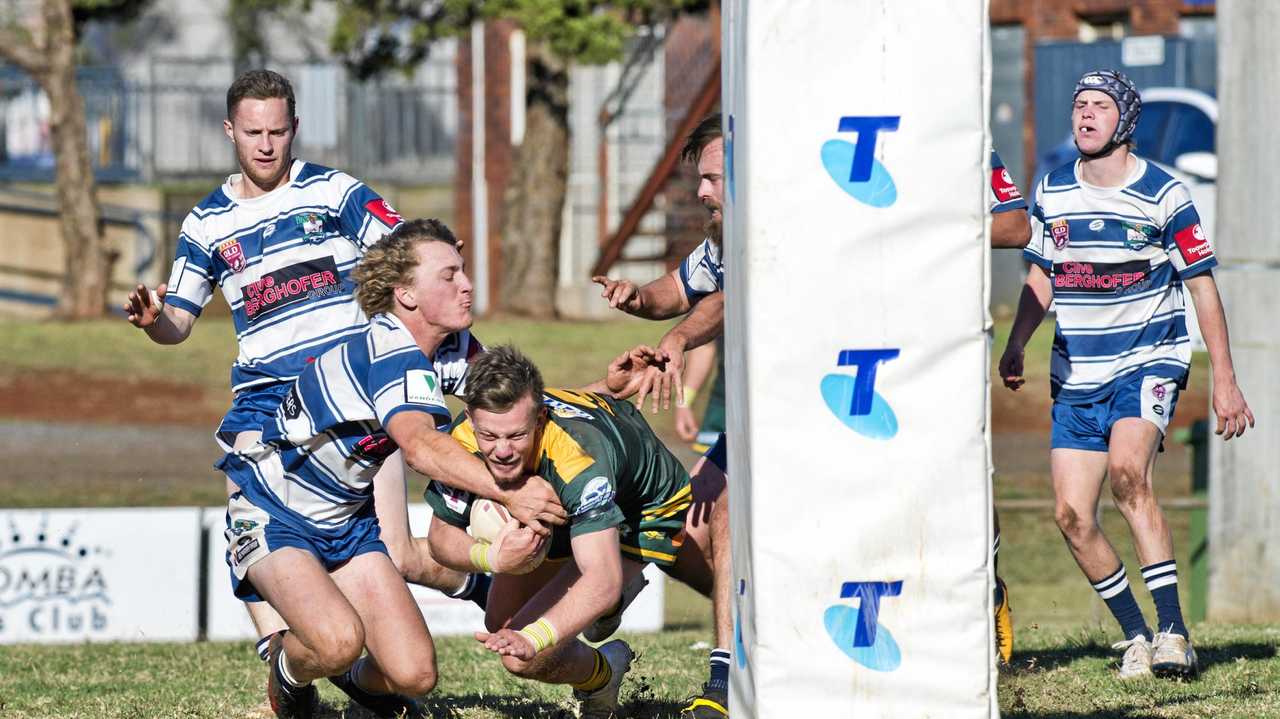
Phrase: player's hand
(626, 372)
(535, 504)
(507, 643)
(516, 549)
(660, 381)
(1011, 368)
(622, 294)
(686, 424)
(144, 305)
(1233, 412)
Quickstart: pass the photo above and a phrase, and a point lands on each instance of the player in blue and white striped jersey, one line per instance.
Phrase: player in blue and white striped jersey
(1114, 240)
(280, 239)
(301, 530)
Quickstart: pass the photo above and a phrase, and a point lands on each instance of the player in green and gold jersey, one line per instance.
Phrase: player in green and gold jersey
(629, 501)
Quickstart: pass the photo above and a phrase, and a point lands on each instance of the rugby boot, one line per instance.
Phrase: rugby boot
(605, 626)
(711, 704)
(286, 701)
(385, 706)
(1136, 663)
(1004, 623)
(1173, 656)
(603, 702)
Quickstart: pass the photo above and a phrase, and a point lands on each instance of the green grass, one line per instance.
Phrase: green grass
(1063, 666)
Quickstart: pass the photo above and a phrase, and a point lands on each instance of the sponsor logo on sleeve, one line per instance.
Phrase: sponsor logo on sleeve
(233, 254)
(1193, 245)
(313, 279)
(384, 212)
(1002, 185)
(375, 447)
(421, 386)
(598, 494)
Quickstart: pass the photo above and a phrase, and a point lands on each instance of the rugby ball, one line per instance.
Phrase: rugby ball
(487, 520)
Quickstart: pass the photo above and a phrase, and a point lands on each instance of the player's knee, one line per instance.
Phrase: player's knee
(339, 644)
(1128, 481)
(519, 667)
(415, 679)
(1070, 522)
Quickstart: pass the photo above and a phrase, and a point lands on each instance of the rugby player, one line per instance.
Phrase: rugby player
(280, 239)
(1010, 229)
(630, 503)
(1115, 240)
(696, 287)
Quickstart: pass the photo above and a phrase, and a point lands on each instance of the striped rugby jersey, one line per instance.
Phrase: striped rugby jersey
(315, 464)
(702, 272)
(1004, 195)
(283, 262)
(1116, 259)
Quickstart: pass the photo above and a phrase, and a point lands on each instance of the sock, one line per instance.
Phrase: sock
(719, 681)
(263, 647)
(601, 675)
(282, 665)
(1162, 582)
(475, 589)
(1115, 591)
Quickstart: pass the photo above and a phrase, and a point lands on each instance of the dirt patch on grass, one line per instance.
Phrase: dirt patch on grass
(75, 397)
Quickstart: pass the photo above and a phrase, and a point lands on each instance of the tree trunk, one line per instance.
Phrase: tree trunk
(534, 199)
(86, 258)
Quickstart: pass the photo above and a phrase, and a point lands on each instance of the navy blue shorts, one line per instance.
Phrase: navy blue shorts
(250, 409)
(1088, 426)
(719, 454)
(252, 535)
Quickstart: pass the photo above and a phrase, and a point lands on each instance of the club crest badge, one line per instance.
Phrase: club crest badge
(232, 254)
(1060, 233)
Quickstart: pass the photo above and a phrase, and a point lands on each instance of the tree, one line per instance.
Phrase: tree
(375, 36)
(43, 44)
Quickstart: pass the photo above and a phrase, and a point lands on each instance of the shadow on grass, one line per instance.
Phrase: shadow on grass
(516, 707)
(1209, 656)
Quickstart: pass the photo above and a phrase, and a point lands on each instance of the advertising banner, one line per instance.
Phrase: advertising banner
(857, 272)
(76, 575)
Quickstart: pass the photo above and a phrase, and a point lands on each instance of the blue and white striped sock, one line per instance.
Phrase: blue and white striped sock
(719, 681)
(1162, 582)
(1115, 591)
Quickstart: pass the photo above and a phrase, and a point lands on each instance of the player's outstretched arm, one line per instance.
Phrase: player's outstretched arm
(1037, 293)
(437, 455)
(660, 299)
(1234, 415)
(703, 324)
(1010, 230)
(450, 545)
(625, 373)
(164, 324)
(599, 561)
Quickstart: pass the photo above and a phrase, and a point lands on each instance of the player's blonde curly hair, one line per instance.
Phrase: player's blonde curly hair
(390, 262)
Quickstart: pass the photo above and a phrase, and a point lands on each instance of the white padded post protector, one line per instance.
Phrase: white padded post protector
(857, 282)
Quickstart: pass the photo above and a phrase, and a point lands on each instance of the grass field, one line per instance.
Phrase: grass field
(1063, 666)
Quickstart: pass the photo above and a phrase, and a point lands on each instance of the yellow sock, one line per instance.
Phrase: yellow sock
(600, 676)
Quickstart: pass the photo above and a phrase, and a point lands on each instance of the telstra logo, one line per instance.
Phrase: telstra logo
(858, 632)
(853, 399)
(853, 166)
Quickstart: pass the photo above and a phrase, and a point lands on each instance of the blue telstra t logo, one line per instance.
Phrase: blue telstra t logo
(858, 632)
(854, 166)
(853, 399)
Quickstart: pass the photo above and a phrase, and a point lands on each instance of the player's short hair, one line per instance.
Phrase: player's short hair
(705, 133)
(390, 262)
(259, 85)
(499, 377)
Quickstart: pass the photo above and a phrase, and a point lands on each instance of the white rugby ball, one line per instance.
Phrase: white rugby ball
(487, 519)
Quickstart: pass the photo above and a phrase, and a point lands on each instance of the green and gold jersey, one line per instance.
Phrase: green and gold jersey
(609, 470)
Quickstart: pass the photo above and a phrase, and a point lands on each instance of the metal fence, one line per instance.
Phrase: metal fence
(168, 123)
